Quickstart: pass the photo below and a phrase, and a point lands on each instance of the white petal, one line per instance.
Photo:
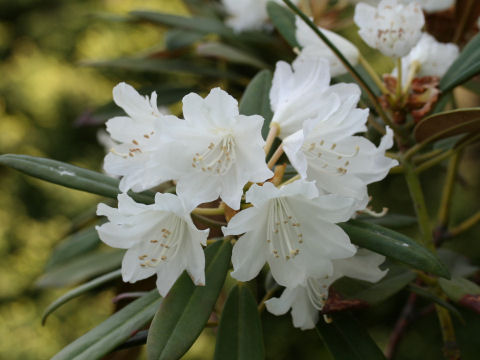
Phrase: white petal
(248, 255)
(131, 269)
(280, 306)
(167, 275)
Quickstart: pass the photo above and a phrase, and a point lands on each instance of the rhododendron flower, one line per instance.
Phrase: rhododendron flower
(326, 150)
(216, 151)
(314, 47)
(432, 57)
(298, 92)
(140, 156)
(161, 239)
(307, 299)
(427, 5)
(293, 229)
(392, 27)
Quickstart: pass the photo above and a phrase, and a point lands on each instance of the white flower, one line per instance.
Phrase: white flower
(326, 150)
(434, 58)
(433, 5)
(247, 14)
(215, 150)
(161, 239)
(392, 28)
(297, 92)
(291, 228)
(140, 154)
(307, 299)
(314, 47)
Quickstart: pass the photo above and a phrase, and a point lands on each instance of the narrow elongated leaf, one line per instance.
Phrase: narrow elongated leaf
(346, 339)
(256, 99)
(82, 268)
(179, 38)
(458, 287)
(240, 332)
(113, 331)
(74, 246)
(79, 291)
(447, 124)
(394, 245)
(392, 220)
(284, 22)
(464, 68)
(216, 49)
(70, 176)
(186, 308)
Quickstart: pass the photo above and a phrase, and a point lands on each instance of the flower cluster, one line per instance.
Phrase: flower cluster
(214, 153)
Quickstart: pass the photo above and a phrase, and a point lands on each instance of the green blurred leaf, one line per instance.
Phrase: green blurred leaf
(82, 268)
(458, 287)
(256, 99)
(447, 124)
(346, 339)
(234, 55)
(186, 309)
(74, 246)
(394, 245)
(284, 21)
(391, 220)
(70, 176)
(465, 67)
(179, 38)
(113, 331)
(240, 332)
(79, 291)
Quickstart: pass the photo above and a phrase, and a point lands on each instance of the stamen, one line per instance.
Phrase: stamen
(218, 157)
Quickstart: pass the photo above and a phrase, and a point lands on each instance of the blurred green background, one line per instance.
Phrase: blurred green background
(44, 92)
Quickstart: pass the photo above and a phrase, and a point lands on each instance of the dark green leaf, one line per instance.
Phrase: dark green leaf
(186, 308)
(79, 291)
(227, 52)
(346, 339)
(447, 124)
(458, 287)
(82, 268)
(465, 67)
(394, 245)
(391, 220)
(74, 246)
(284, 22)
(113, 331)
(179, 38)
(256, 99)
(240, 332)
(70, 176)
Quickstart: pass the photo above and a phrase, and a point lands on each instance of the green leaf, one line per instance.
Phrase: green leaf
(79, 291)
(256, 99)
(70, 176)
(284, 22)
(465, 67)
(113, 331)
(82, 268)
(179, 38)
(394, 245)
(240, 332)
(346, 339)
(230, 53)
(74, 246)
(458, 287)
(447, 124)
(391, 220)
(186, 309)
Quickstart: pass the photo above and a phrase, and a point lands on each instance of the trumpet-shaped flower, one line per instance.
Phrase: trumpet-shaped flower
(161, 239)
(139, 156)
(432, 58)
(392, 27)
(307, 299)
(291, 228)
(327, 151)
(298, 92)
(216, 151)
(314, 47)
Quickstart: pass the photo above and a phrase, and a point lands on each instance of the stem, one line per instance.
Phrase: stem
(463, 22)
(434, 161)
(278, 174)
(292, 179)
(418, 200)
(427, 156)
(276, 155)
(450, 348)
(267, 296)
(207, 221)
(346, 63)
(444, 210)
(464, 226)
(272, 134)
(412, 72)
(399, 79)
(376, 126)
(376, 79)
(208, 211)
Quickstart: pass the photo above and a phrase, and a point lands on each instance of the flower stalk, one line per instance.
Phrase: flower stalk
(272, 134)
